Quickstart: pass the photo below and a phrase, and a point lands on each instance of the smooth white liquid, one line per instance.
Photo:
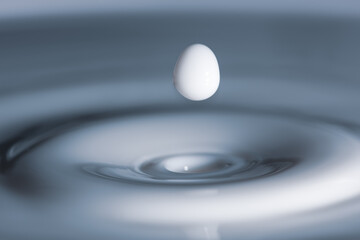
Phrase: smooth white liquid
(196, 73)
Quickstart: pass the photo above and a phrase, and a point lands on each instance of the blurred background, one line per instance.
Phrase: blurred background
(90, 82)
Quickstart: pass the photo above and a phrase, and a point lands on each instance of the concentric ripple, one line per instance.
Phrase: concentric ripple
(193, 168)
(249, 158)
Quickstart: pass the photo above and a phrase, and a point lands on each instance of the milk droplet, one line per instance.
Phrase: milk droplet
(196, 73)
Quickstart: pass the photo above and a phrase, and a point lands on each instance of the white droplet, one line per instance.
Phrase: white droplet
(196, 73)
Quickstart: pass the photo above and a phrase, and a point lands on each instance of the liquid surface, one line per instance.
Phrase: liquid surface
(93, 148)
